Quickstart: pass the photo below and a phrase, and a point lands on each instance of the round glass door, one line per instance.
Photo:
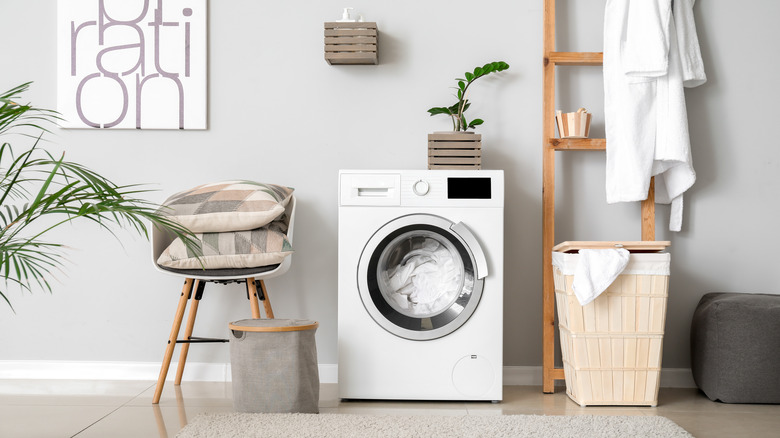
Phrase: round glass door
(417, 278)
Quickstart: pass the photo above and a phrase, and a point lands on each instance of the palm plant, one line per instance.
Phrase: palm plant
(39, 193)
(459, 122)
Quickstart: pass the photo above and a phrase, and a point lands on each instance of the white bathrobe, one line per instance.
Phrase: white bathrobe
(650, 53)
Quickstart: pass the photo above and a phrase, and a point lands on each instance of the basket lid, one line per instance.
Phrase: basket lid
(631, 246)
(273, 325)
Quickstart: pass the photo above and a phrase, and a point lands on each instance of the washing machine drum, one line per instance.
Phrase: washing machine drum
(420, 276)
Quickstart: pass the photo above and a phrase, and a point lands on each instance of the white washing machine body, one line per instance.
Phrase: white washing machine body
(420, 284)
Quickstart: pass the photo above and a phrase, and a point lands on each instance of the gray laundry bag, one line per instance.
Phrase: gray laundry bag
(274, 365)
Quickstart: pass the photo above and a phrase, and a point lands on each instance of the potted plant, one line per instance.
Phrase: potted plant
(39, 193)
(460, 148)
(456, 111)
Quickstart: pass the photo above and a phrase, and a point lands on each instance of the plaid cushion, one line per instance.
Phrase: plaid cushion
(227, 206)
(235, 249)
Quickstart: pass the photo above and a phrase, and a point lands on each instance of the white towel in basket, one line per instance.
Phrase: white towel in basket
(596, 270)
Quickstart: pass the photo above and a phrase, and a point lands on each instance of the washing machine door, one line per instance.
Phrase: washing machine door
(421, 276)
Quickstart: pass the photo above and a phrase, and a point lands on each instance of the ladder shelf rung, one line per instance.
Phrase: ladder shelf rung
(578, 144)
(575, 58)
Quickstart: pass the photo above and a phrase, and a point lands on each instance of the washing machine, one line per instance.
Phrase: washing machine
(420, 284)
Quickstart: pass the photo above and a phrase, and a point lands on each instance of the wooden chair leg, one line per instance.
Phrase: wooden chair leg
(269, 313)
(185, 295)
(251, 290)
(185, 348)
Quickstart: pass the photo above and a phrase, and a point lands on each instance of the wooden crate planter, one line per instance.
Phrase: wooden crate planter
(612, 346)
(350, 43)
(454, 150)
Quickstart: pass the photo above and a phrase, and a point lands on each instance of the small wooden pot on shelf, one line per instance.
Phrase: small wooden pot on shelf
(350, 42)
(573, 125)
(454, 150)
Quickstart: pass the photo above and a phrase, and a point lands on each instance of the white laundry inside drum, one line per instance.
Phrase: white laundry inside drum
(420, 274)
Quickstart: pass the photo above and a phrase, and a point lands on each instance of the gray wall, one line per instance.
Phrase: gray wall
(279, 113)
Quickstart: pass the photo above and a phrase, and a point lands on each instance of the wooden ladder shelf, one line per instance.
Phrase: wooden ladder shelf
(550, 145)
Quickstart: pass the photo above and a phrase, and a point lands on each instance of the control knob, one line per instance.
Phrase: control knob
(421, 188)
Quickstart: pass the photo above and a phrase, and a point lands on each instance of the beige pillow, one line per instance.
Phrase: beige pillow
(234, 249)
(227, 206)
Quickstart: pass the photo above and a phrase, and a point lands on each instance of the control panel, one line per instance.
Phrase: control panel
(432, 188)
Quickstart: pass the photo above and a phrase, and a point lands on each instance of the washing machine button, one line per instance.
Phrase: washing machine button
(421, 188)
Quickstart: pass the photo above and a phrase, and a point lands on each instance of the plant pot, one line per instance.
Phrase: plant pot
(454, 150)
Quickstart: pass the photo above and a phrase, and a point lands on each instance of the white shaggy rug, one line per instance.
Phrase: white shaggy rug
(237, 425)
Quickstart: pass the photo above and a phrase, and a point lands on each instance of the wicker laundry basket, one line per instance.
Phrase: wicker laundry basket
(612, 346)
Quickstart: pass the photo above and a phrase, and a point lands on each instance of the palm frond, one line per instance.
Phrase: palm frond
(39, 193)
(15, 116)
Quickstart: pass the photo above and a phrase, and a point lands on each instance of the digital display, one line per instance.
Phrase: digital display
(468, 188)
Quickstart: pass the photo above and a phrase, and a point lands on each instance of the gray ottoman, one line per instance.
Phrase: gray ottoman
(735, 347)
(274, 366)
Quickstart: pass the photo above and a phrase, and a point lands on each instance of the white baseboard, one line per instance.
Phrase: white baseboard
(77, 370)
(220, 372)
(329, 373)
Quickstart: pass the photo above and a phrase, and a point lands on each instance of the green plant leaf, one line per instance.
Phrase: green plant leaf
(476, 122)
(460, 94)
(462, 85)
(439, 110)
(477, 72)
(487, 68)
(14, 115)
(54, 171)
(469, 76)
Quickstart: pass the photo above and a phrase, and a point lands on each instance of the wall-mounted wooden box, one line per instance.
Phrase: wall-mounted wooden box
(455, 150)
(350, 43)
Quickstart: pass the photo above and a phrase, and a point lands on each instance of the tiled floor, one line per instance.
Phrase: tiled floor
(87, 409)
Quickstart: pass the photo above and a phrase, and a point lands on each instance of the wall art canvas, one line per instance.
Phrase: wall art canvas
(134, 64)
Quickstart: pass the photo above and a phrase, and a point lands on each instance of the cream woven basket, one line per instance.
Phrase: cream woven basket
(612, 346)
